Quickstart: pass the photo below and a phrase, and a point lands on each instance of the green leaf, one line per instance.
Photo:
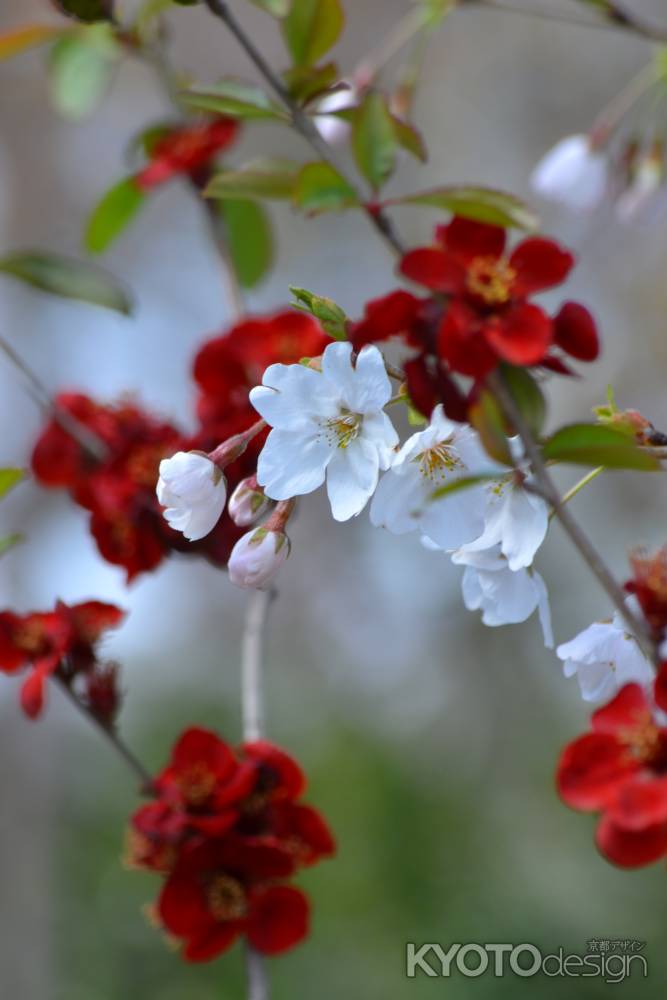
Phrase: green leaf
(464, 483)
(81, 66)
(311, 28)
(486, 417)
(86, 10)
(13, 43)
(261, 179)
(112, 214)
(304, 83)
(332, 318)
(374, 141)
(320, 188)
(249, 239)
(595, 444)
(410, 139)
(478, 203)
(8, 542)
(68, 278)
(527, 396)
(278, 8)
(9, 478)
(234, 99)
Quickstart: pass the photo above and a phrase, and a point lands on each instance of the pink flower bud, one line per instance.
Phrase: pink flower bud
(248, 503)
(257, 557)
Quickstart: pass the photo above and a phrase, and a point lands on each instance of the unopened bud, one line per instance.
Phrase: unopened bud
(257, 557)
(193, 491)
(102, 694)
(248, 502)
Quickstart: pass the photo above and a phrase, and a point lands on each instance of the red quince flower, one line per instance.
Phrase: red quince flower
(649, 585)
(225, 888)
(63, 640)
(186, 151)
(620, 770)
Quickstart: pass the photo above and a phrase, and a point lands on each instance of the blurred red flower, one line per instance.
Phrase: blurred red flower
(186, 151)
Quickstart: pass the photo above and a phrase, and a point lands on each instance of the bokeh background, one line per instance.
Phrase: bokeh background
(430, 741)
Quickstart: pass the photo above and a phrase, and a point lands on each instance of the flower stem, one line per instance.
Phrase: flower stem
(584, 481)
(548, 490)
(301, 121)
(130, 758)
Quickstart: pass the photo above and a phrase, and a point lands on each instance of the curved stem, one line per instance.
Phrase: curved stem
(301, 121)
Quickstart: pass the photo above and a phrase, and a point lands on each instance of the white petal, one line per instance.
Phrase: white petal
(398, 501)
(379, 430)
(292, 463)
(543, 610)
(371, 382)
(352, 476)
(291, 395)
(572, 174)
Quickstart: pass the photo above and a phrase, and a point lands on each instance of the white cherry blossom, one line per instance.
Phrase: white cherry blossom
(514, 519)
(572, 174)
(257, 557)
(193, 490)
(504, 596)
(604, 657)
(326, 424)
(443, 452)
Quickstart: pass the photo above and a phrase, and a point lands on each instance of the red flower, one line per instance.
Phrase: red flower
(489, 318)
(63, 640)
(222, 889)
(620, 770)
(186, 151)
(649, 585)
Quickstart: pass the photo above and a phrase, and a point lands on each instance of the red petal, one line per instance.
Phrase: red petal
(639, 804)
(182, 906)
(306, 828)
(539, 264)
(197, 747)
(12, 657)
(555, 364)
(258, 858)
(213, 942)
(435, 269)
(629, 708)
(93, 618)
(660, 690)
(461, 344)
(630, 849)
(591, 770)
(576, 333)
(287, 779)
(385, 317)
(32, 689)
(521, 335)
(278, 919)
(468, 239)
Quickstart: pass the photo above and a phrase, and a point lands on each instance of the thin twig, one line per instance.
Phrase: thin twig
(301, 121)
(613, 18)
(130, 758)
(547, 488)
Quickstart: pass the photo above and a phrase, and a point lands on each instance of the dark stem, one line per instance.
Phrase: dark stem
(301, 121)
(130, 758)
(548, 490)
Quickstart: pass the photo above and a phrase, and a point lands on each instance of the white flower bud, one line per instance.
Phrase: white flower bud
(257, 557)
(572, 174)
(193, 490)
(248, 502)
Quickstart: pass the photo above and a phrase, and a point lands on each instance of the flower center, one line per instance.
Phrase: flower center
(30, 637)
(342, 430)
(491, 279)
(225, 898)
(196, 783)
(436, 462)
(646, 743)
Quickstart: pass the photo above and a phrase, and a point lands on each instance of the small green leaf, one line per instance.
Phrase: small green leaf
(320, 188)
(13, 43)
(249, 238)
(595, 444)
(9, 478)
(278, 8)
(374, 141)
(464, 483)
(332, 318)
(68, 278)
(234, 99)
(527, 396)
(88, 11)
(481, 204)
(410, 139)
(8, 542)
(81, 66)
(261, 179)
(311, 28)
(112, 214)
(486, 417)
(305, 83)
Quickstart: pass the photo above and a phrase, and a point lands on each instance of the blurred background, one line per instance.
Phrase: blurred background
(430, 741)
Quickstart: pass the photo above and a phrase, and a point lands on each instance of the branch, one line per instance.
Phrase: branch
(588, 552)
(130, 758)
(301, 121)
(613, 17)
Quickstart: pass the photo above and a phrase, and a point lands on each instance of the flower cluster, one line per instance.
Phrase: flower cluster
(478, 314)
(226, 831)
(187, 151)
(62, 642)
